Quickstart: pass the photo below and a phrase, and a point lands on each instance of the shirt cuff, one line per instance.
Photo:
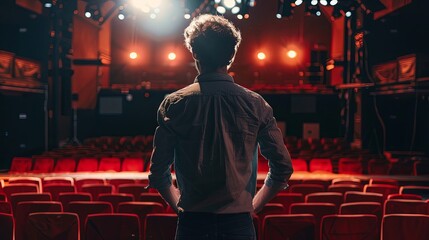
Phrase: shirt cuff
(270, 182)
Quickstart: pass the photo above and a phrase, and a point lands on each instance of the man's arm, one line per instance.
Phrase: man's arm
(272, 148)
(161, 161)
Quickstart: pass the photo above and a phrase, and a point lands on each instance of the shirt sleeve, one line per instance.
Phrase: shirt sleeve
(272, 147)
(163, 151)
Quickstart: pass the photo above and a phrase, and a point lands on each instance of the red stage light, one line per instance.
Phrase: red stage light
(133, 55)
(292, 54)
(261, 56)
(172, 56)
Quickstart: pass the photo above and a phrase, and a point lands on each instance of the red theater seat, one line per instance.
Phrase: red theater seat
(135, 189)
(56, 189)
(394, 206)
(23, 209)
(53, 225)
(289, 226)
(299, 164)
(325, 197)
(305, 189)
(79, 182)
(161, 226)
(43, 165)
(388, 181)
(118, 226)
(58, 180)
(7, 228)
(363, 197)
(404, 196)
(132, 165)
(5, 207)
(349, 227)
(349, 166)
(20, 188)
(96, 189)
(141, 209)
(32, 180)
(65, 165)
(286, 199)
(152, 197)
(270, 209)
(423, 191)
(84, 208)
(21, 164)
(66, 198)
(343, 188)
(373, 208)
(115, 182)
(405, 226)
(115, 199)
(110, 164)
(87, 165)
(350, 181)
(384, 189)
(25, 197)
(324, 182)
(321, 165)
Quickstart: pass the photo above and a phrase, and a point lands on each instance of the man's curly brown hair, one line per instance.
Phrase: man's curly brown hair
(213, 40)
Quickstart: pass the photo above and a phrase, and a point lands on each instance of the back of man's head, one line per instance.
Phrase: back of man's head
(213, 40)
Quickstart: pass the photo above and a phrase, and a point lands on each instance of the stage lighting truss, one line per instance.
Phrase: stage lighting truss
(93, 11)
(239, 8)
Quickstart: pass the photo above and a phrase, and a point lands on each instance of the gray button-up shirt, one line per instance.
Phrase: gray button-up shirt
(211, 130)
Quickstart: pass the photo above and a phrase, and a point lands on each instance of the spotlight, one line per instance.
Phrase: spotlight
(285, 9)
(239, 16)
(221, 9)
(48, 3)
(229, 3)
(312, 9)
(171, 56)
(292, 54)
(298, 2)
(333, 2)
(235, 10)
(323, 2)
(348, 14)
(92, 11)
(187, 16)
(313, 2)
(261, 56)
(133, 55)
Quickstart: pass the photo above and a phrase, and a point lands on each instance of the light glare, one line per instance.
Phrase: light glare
(239, 16)
(171, 56)
(221, 10)
(229, 3)
(133, 55)
(121, 16)
(298, 2)
(261, 56)
(88, 14)
(314, 2)
(48, 5)
(235, 10)
(278, 15)
(187, 16)
(348, 14)
(291, 54)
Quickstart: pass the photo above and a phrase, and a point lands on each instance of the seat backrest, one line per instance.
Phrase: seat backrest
(84, 208)
(31, 180)
(112, 226)
(66, 198)
(152, 197)
(394, 206)
(287, 199)
(43, 165)
(20, 188)
(373, 208)
(87, 165)
(363, 197)
(419, 190)
(132, 164)
(305, 189)
(141, 209)
(110, 164)
(115, 182)
(160, 226)
(53, 225)
(23, 209)
(58, 180)
(5, 207)
(65, 165)
(271, 208)
(7, 226)
(56, 189)
(289, 226)
(405, 226)
(350, 180)
(321, 164)
(115, 199)
(23, 197)
(21, 164)
(135, 189)
(79, 182)
(350, 166)
(388, 181)
(324, 182)
(325, 197)
(299, 164)
(404, 196)
(343, 188)
(97, 189)
(384, 189)
(345, 227)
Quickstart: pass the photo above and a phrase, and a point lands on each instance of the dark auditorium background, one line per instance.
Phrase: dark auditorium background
(81, 82)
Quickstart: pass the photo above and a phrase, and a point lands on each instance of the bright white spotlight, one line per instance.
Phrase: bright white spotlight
(217, 1)
(239, 16)
(133, 55)
(278, 15)
(235, 10)
(333, 2)
(221, 10)
(187, 16)
(348, 14)
(298, 2)
(318, 13)
(171, 56)
(88, 14)
(121, 16)
(261, 56)
(48, 5)
(238, 1)
(229, 3)
(314, 2)
(152, 15)
(324, 2)
(292, 54)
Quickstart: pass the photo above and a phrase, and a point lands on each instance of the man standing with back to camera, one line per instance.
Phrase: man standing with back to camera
(211, 131)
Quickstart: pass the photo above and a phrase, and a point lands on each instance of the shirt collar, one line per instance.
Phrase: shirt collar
(213, 77)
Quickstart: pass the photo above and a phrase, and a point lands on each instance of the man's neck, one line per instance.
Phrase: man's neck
(223, 69)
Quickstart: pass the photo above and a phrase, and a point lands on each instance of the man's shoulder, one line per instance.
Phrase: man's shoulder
(250, 93)
(189, 90)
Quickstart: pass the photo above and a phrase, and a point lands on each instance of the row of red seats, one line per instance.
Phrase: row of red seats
(88, 164)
